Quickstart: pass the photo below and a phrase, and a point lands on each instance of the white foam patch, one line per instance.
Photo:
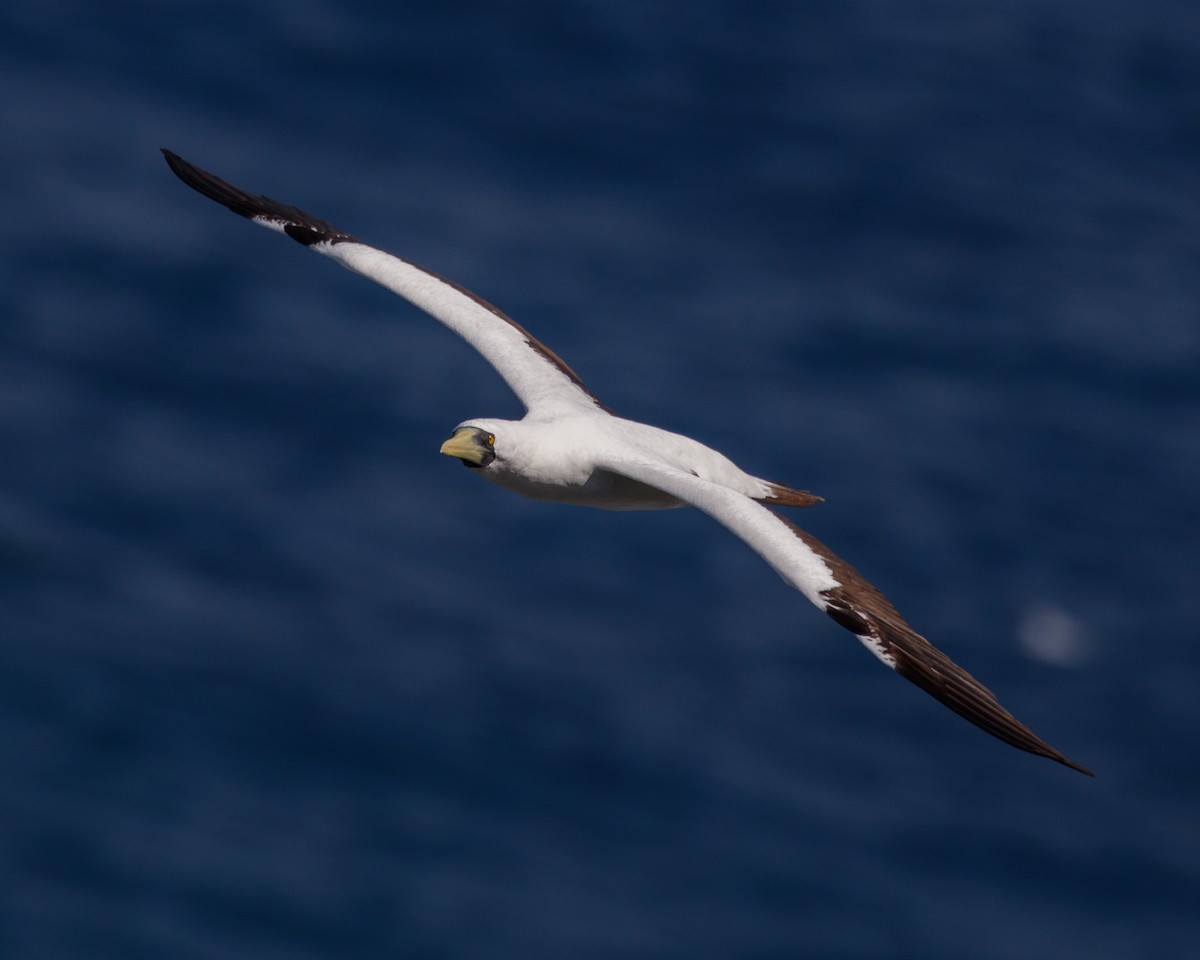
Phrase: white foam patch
(1049, 633)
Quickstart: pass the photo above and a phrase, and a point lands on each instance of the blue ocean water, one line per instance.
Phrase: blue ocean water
(276, 680)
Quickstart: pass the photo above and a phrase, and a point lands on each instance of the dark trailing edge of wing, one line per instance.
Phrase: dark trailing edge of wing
(863, 610)
(534, 343)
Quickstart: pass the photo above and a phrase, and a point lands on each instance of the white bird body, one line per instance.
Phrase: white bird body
(568, 460)
(569, 448)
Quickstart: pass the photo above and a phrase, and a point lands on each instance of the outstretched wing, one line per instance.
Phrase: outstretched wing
(838, 589)
(539, 378)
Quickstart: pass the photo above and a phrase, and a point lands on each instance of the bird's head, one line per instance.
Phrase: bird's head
(473, 444)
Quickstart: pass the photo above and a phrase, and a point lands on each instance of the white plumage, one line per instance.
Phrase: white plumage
(569, 448)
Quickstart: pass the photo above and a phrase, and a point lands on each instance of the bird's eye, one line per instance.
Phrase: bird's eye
(491, 439)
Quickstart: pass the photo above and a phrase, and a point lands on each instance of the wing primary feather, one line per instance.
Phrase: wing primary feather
(859, 607)
(298, 224)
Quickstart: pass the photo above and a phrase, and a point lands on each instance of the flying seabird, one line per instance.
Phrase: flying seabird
(570, 448)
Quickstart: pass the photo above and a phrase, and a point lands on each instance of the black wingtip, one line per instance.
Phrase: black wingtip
(1074, 766)
(213, 187)
(945, 681)
(859, 607)
(302, 227)
(180, 167)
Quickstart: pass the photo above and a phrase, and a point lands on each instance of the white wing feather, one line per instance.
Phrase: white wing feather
(538, 376)
(762, 530)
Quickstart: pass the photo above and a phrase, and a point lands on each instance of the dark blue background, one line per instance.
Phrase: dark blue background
(276, 680)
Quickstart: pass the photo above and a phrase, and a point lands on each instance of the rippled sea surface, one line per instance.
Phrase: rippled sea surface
(277, 680)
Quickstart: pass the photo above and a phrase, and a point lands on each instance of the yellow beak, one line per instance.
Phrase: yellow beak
(465, 446)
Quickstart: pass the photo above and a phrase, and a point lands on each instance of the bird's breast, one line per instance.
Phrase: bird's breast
(600, 489)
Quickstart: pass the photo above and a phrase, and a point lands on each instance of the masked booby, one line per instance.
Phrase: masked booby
(570, 448)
